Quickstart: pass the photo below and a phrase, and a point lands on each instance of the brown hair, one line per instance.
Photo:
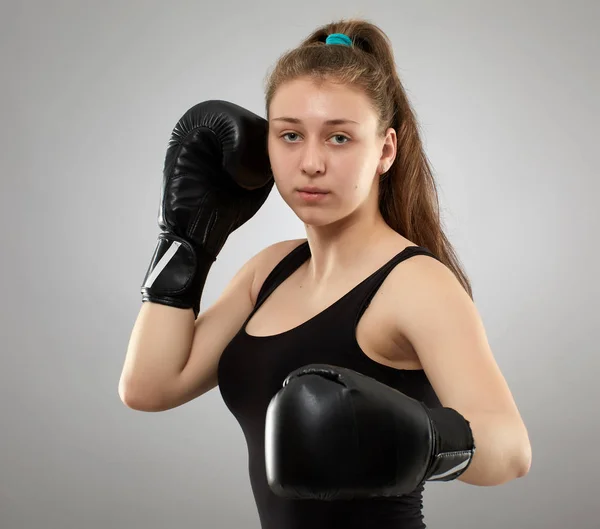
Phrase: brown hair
(408, 198)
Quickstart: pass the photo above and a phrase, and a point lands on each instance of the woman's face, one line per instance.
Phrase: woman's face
(342, 158)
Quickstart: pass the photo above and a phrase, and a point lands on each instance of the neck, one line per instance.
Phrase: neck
(341, 246)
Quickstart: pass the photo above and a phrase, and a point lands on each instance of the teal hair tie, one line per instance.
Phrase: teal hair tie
(339, 38)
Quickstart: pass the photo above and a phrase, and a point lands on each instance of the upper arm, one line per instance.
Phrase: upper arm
(218, 324)
(443, 325)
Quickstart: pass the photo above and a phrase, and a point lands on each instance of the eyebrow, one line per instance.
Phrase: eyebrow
(328, 122)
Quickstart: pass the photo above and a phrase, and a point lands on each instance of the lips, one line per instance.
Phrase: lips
(312, 197)
(314, 190)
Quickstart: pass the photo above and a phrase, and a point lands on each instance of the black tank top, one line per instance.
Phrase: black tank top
(252, 369)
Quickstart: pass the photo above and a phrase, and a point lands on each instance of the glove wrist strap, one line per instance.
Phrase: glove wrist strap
(177, 273)
(454, 445)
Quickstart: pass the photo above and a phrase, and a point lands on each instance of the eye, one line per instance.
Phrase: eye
(338, 136)
(343, 137)
(288, 134)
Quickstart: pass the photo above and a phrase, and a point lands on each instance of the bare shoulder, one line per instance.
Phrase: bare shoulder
(267, 259)
(418, 270)
(422, 281)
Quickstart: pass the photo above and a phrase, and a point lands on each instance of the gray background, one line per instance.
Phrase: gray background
(507, 97)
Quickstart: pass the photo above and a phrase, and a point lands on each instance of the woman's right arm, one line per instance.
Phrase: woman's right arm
(172, 359)
(216, 176)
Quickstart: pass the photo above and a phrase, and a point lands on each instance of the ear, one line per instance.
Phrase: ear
(388, 151)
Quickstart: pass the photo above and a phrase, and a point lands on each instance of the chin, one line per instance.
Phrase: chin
(316, 219)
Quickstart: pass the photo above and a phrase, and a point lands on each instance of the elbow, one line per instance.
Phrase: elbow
(133, 402)
(521, 460)
(139, 399)
(525, 464)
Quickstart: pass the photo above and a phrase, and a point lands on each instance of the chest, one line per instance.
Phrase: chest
(290, 305)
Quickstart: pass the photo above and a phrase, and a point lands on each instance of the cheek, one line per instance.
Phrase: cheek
(359, 175)
(278, 158)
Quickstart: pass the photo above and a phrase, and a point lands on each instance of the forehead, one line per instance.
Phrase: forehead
(311, 102)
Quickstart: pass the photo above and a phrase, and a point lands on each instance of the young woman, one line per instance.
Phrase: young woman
(354, 360)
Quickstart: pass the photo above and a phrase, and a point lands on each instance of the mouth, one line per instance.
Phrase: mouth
(313, 190)
(311, 195)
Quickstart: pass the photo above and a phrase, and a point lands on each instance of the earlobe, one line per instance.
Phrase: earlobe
(383, 168)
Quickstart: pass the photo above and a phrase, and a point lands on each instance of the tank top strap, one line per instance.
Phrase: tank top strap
(285, 268)
(364, 294)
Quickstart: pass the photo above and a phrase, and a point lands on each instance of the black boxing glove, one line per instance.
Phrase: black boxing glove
(332, 433)
(216, 176)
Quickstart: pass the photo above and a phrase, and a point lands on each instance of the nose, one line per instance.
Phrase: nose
(312, 160)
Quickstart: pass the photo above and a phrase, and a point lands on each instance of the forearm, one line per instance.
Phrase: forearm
(503, 451)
